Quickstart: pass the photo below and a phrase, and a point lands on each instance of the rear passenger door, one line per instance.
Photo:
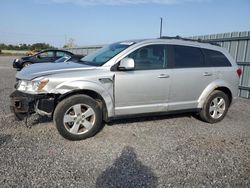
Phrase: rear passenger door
(47, 56)
(221, 65)
(59, 54)
(190, 76)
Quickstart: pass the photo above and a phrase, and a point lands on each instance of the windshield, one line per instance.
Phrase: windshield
(101, 56)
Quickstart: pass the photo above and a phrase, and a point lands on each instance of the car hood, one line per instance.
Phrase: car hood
(43, 69)
(26, 58)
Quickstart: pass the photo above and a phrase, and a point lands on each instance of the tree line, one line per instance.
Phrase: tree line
(36, 46)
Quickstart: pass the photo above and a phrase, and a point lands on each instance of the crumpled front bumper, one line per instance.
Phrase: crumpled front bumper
(23, 104)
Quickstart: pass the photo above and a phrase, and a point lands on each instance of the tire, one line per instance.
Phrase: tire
(72, 121)
(215, 107)
(26, 64)
(20, 116)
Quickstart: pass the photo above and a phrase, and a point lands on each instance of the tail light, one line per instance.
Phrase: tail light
(239, 72)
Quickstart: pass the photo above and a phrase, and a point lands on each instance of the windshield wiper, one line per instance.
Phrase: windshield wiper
(90, 63)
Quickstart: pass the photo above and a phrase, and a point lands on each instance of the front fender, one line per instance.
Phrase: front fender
(210, 88)
(105, 90)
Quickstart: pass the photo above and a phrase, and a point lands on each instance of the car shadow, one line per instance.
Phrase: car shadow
(4, 139)
(127, 171)
(39, 119)
(44, 119)
(150, 118)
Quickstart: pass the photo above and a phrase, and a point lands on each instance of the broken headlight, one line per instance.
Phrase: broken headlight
(33, 86)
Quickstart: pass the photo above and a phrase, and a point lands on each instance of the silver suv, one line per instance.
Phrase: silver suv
(126, 79)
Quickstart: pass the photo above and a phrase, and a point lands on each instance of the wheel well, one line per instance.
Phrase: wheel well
(91, 94)
(227, 92)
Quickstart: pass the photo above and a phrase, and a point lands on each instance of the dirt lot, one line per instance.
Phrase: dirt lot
(166, 151)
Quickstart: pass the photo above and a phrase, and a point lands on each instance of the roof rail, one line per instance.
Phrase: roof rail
(189, 39)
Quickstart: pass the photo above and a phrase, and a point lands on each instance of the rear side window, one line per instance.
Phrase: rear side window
(60, 54)
(188, 57)
(46, 54)
(216, 59)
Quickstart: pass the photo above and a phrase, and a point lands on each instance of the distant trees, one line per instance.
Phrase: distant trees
(36, 46)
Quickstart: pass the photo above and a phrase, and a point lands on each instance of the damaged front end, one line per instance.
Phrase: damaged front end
(24, 104)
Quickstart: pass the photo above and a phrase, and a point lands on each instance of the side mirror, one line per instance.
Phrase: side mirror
(127, 64)
(38, 56)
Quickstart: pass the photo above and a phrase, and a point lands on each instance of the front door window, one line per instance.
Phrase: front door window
(150, 57)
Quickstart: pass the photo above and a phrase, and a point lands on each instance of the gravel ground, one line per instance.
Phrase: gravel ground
(166, 151)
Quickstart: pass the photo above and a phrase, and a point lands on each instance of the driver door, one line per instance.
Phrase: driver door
(146, 88)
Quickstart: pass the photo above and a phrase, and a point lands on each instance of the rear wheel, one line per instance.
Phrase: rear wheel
(215, 107)
(78, 117)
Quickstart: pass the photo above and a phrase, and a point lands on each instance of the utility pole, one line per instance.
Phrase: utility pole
(161, 28)
(66, 40)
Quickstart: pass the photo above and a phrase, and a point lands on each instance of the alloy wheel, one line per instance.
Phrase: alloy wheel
(217, 107)
(79, 119)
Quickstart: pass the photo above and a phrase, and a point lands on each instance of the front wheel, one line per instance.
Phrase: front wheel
(215, 107)
(78, 117)
(20, 116)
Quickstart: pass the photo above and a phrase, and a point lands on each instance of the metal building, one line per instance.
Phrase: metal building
(238, 45)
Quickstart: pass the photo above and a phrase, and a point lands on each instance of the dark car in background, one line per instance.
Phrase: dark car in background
(44, 56)
(73, 58)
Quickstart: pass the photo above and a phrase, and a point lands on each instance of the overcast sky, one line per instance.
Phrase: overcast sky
(92, 22)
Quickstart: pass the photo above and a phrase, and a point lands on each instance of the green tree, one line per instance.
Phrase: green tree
(36, 46)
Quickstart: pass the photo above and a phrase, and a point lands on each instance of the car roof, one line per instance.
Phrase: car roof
(56, 50)
(178, 41)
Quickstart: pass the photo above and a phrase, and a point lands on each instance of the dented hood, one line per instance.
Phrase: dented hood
(43, 69)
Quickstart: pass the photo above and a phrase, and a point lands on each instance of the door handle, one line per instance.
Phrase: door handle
(163, 76)
(207, 74)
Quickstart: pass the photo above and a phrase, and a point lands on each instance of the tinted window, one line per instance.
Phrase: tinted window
(216, 59)
(60, 54)
(150, 57)
(46, 54)
(186, 57)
